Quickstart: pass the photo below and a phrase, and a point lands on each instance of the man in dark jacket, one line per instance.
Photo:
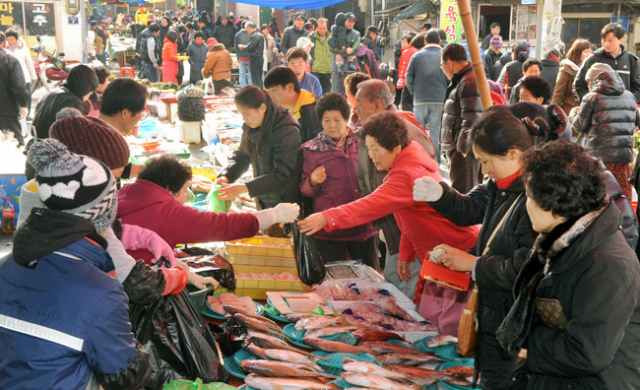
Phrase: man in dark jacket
(496, 70)
(291, 34)
(370, 40)
(150, 50)
(240, 42)
(495, 30)
(512, 72)
(225, 34)
(353, 41)
(550, 67)
(374, 96)
(613, 54)
(79, 85)
(255, 51)
(492, 55)
(95, 16)
(207, 31)
(14, 96)
(461, 109)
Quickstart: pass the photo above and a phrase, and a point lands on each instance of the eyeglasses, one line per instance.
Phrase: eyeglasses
(145, 114)
(441, 65)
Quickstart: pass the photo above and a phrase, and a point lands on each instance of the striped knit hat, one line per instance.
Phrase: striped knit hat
(93, 137)
(74, 184)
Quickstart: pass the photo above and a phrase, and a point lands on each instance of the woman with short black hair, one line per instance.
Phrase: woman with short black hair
(391, 149)
(330, 178)
(270, 145)
(156, 202)
(577, 308)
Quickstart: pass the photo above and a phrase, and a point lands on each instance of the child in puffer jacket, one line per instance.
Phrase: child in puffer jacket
(338, 41)
(607, 119)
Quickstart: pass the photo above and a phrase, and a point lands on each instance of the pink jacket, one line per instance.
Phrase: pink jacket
(152, 207)
(421, 226)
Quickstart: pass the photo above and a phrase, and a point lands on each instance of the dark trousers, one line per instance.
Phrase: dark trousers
(464, 172)
(406, 100)
(397, 100)
(325, 81)
(255, 68)
(219, 85)
(367, 251)
(29, 102)
(12, 123)
(102, 58)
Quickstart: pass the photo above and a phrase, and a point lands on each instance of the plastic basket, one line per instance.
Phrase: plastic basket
(241, 355)
(209, 312)
(445, 352)
(199, 296)
(333, 366)
(233, 368)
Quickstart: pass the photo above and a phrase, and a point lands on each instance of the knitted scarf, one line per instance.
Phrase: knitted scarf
(544, 255)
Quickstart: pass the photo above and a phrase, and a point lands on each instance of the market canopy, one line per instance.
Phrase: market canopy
(421, 7)
(289, 4)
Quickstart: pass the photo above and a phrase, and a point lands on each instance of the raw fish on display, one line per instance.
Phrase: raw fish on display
(318, 322)
(376, 382)
(335, 346)
(417, 375)
(369, 334)
(372, 368)
(265, 383)
(246, 304)
(280, 369)
(440, 340)
(330, 331)
(408, 359)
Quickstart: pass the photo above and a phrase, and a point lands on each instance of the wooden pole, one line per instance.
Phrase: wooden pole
(474, 51)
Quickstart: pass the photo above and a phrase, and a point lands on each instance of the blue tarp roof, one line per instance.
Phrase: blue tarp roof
(289, 4)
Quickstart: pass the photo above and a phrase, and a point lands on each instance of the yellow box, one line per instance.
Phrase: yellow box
(258, 294)
(254, 247)
(206, 172)
(240, 268)
(261, 261)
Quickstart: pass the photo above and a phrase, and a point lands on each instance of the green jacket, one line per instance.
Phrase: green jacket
(320, 53)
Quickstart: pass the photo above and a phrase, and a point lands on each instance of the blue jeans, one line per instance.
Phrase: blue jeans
(150, 71)
(245, 74)
(408, 287)
(430, 113)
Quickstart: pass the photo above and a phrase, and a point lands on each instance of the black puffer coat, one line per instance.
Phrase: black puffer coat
(498, 65)
(461, 110)
(607, 117)
(495, 272)
(625, 64)
(290, 38)
(276, 160)
(596, 280)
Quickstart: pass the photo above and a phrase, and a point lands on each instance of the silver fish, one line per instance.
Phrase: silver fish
(264, 383)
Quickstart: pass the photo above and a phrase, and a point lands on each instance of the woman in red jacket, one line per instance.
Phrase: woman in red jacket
(391, 149)
(410, 45)
(170, 58)
(156, 202)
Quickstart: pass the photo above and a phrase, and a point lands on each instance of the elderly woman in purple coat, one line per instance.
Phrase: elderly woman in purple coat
(330, 178)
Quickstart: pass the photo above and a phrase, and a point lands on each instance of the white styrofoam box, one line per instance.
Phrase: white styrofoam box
(401, 299)
(191, 132)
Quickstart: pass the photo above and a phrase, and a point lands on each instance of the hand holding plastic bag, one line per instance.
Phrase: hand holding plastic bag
(135, 237)
(311, 269)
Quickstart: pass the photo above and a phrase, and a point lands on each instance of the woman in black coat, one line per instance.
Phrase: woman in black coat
(577, 310)
(498, 139)
(271, 146)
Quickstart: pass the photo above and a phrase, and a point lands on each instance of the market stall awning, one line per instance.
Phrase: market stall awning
(421, 7)
(289, 4)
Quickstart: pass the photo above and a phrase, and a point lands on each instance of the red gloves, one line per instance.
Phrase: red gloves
(175, 280)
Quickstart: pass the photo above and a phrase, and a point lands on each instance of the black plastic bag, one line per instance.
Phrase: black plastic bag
(311, 269)
(173, 331)
(206, 263)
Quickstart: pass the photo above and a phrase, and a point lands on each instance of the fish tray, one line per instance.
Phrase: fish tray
(254, 246)
(333, 366)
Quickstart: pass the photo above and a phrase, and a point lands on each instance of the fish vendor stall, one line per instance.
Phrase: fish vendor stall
(270, 330)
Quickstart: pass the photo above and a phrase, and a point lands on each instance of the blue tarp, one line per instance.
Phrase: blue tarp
(288, 4)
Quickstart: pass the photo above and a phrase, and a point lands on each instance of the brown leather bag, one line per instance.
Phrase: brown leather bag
(468, 328)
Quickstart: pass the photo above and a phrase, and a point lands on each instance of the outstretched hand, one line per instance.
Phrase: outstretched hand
(313, 224)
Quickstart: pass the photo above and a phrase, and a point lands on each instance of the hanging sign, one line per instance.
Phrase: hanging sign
(450, 20)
